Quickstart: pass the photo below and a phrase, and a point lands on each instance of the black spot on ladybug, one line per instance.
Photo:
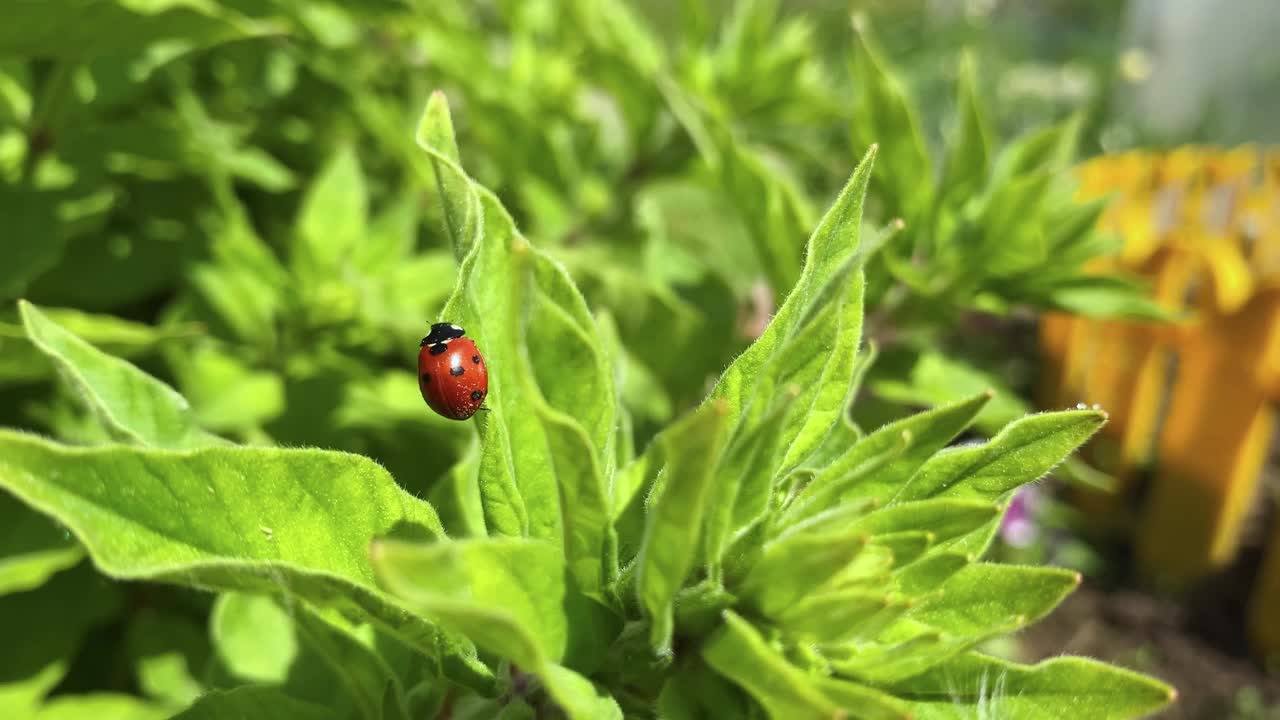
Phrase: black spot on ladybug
(426, 377)
(475, 359)
(477, 394)
(438, 348)
(457, 370)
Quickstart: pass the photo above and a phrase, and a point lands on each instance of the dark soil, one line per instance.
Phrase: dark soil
(1198, 646)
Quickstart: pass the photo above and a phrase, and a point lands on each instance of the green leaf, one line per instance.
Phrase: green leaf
(253, 636)
(461, 205)
(831, 250)
(691, 448)
(844, 433)
(226, 393)
(578, 697)
(779, 216)
(971, 684)
(924, 434)
(820, 360)
(272, 520)
(983, 597)
(32, 549)
(506, 594)
(21, 361)
(945, 518)
(864, 702)
(925, 576)
(738, 652)
(1010, 242)
(698, 607)
(939, 380)
(333, 219)
(548, 440)
(457, 497)
(978, 602)
(364, 675)
(906, 546)
(1106, 296)
(136, 406)
(743, 484)
(38, 226)
(101, 706)
(968, 153)
(76, 29)
(1022, 452)
(251, 702)
(42, 629)
(245, 286)
(885, 115)
(795, 565)
(169, 653)
(833, 617)
(694, 692)
(1043, 149)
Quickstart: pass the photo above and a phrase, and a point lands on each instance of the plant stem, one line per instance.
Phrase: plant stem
(48, 105)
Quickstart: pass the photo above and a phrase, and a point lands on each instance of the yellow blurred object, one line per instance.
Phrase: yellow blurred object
(1192, 403)
(1216, 435)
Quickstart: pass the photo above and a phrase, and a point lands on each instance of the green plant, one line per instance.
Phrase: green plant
(760, 557)
(181, 174)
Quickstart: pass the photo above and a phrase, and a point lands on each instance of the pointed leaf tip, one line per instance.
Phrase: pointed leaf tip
(435, 129)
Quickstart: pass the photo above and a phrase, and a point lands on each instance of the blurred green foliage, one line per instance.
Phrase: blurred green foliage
(239, 179)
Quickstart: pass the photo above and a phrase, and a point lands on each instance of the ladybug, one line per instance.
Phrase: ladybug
(451, 373)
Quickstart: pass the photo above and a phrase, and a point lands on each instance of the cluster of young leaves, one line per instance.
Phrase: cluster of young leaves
(759, 114)
(171, 175)
(989, 233)
(762, 557)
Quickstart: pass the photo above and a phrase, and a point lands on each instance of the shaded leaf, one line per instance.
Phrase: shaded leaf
(253, 636)
(101, 706)
(133, 404)
(506, 594)
(251, 702)
(32, 548)
(968, 153)
(74, 29)
(738, 652)
(691, 448)
(42, 629)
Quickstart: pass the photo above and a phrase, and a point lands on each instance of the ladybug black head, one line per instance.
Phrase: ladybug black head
(441, 332)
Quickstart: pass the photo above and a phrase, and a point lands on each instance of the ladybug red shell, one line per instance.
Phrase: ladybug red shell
(451, 373)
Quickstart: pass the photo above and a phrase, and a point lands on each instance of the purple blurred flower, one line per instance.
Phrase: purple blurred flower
(1018, 528)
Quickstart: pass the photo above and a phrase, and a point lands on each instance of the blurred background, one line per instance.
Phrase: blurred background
(229, 195)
